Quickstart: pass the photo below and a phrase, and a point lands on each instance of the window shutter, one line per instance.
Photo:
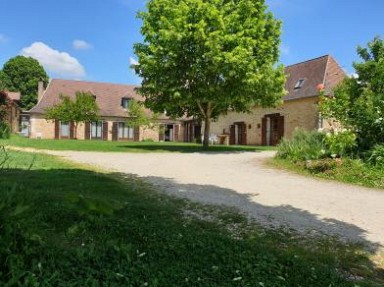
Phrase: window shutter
(57, 129)
(71, 130)
(264, 131)
(105, 131)
(232, 135)
(87, 130)
(136, 136)
(176, 128)
(115, 131)
(243, 135)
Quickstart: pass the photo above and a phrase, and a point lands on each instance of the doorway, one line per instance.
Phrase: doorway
(238, 134)
(272, 129)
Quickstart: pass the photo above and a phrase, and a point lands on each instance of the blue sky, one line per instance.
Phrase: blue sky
(93, 39)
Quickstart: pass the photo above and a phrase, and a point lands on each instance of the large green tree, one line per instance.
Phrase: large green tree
(82, 109)
(22, 74)
(204, 58)
(358, 103)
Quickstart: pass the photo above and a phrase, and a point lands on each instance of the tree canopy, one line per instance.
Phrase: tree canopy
(83, 109)
(205, 58)
(22, 74)
(358, 103)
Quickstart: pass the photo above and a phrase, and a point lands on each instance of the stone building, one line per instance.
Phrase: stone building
(266, 126)
(113, 101)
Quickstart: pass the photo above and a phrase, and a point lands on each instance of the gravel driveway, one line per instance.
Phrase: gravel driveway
(272, 197)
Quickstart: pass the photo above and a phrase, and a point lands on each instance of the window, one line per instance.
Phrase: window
(299, 84)
(125, 132)
(64, 129)
(96, 130)
(125, 103)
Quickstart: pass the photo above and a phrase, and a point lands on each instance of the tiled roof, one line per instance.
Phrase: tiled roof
(108, 96)
(323, 70)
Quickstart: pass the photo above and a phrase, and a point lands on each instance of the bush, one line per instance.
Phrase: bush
(377, 156)
(5, 130)
(304, 145)
(340, 143)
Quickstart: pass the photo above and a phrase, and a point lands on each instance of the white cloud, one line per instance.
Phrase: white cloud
(3, 38)
(81, 45)
(133, 62)
(59, 63)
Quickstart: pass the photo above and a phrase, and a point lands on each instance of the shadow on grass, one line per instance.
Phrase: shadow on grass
(90, 229)
(298, 223)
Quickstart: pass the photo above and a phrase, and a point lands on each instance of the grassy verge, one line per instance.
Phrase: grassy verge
(347, 171)
(135, 147)
(61, 225)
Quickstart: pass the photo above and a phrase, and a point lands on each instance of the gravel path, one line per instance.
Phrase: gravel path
(272, 197)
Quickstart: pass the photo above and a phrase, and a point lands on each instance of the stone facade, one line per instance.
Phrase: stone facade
(41, 128)
(267, 126)
(302, 113)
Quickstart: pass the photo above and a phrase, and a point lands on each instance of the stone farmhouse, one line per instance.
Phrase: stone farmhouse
(113, 101)
(266, 126)
(263, 126)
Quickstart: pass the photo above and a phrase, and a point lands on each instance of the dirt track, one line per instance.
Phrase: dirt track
(271, 196)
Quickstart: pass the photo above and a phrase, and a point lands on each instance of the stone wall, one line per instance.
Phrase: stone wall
(41, 128)
(301, 113)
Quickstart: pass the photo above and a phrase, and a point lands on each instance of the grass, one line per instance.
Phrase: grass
(134, 147)
(347, 170)
(63, 225)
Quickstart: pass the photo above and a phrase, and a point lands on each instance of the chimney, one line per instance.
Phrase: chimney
(40, 91)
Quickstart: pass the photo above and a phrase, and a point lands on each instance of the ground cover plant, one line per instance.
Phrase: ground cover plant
(104, 146)
(62, 225)
(333, 156)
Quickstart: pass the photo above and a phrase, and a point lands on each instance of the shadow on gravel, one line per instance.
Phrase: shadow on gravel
(185, 148)
(286, 218)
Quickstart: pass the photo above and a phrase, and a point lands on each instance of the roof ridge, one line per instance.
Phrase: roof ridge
(95, 82)
(310, 60)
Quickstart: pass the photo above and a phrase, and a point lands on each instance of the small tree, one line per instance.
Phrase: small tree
(358, 102)
(138, 117)
(205, 58)
(83, 109)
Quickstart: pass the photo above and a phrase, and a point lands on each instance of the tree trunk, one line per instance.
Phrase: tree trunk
(207, 127)
(206, 111)
(75, 130)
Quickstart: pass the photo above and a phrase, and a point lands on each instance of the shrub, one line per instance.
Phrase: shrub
(5, 130)
(304, 145)
(377, 156)
(340, 143)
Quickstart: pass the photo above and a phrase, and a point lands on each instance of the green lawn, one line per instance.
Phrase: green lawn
(62, 225)
(104, 146)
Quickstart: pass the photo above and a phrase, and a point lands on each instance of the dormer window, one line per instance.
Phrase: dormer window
(125, 103)
(299, 84)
